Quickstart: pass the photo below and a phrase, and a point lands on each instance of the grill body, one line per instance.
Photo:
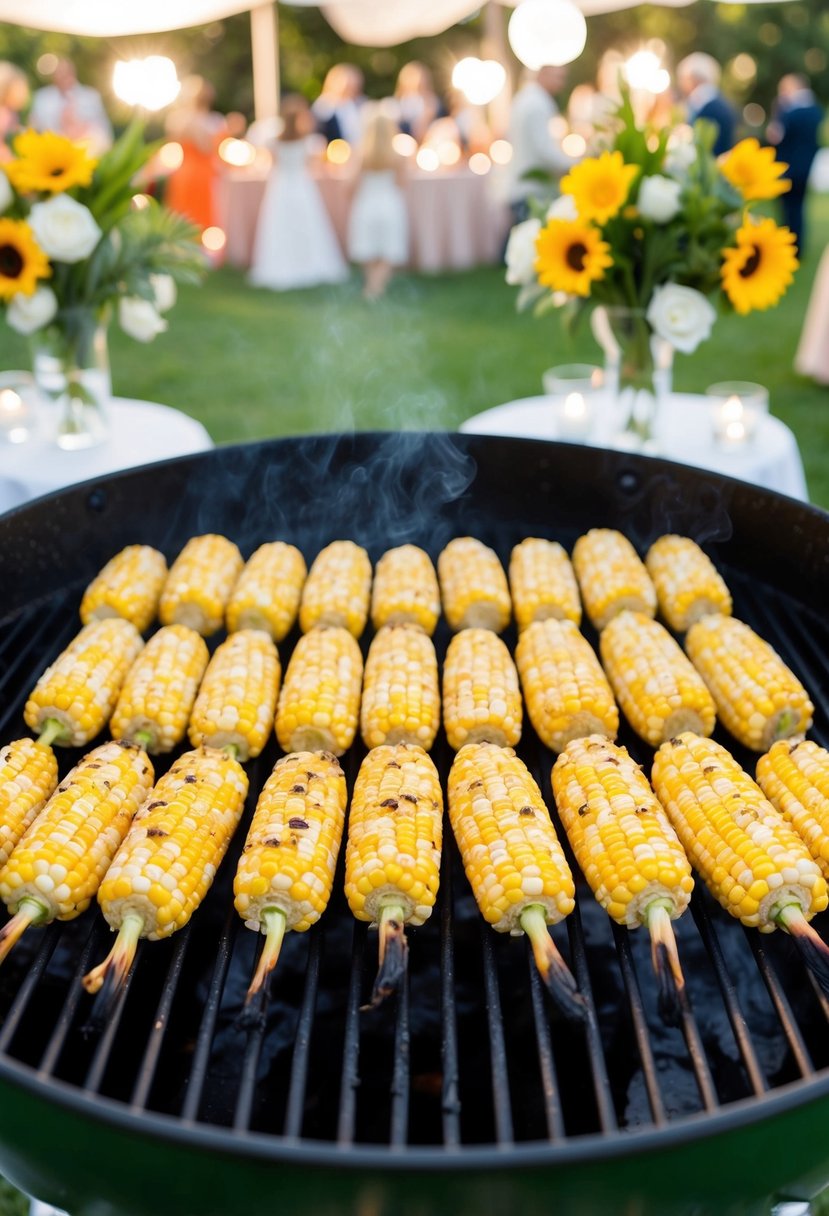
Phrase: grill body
(467, 1095)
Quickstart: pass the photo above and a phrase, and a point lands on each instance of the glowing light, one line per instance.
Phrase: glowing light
(171, 156)
(213, 239)
(644, 71)
(480, 80)
(480, 163)
(557, 126)
(500, 151)
(151, 83)
(237, 152)
(428, 160)
(140, 201)
(404, 145)
(544, 32)
(47, 63)
(743, 67)
(754, 114)
(574, 145)
(338, 152)
(448, 152)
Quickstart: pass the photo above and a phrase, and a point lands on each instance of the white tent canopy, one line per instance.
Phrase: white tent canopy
(110, 19)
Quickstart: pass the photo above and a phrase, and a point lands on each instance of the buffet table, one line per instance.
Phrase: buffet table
(770, 458)
(455, 223)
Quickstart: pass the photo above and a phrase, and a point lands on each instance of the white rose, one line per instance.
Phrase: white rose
(6, 193)
(680, 157)
(139, 319)
(29, 313)
(520, 254)
(563, 208)
(680, 315)
(658, 198)
(164, 290)
(64, 228)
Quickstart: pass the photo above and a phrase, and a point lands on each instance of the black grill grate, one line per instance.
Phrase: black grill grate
(470, 1053)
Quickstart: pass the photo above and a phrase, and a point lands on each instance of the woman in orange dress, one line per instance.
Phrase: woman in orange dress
(198, 129)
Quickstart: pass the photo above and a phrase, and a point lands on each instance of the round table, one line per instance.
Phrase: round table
(141, 432)
(684, 433)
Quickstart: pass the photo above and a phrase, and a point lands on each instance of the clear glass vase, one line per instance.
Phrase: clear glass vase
(70, 362)
(638, 373)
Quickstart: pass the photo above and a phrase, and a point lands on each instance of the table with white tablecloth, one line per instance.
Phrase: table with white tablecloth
(684, 433)
(455, 222)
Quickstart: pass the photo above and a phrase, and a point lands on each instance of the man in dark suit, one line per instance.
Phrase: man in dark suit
(698, 77)
(795, 129)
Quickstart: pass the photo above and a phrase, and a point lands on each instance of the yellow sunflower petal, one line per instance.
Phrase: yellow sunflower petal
(570, 256)
(754, 170)
(758, 269)
(48, 162)
(22, 261)
(600, 185)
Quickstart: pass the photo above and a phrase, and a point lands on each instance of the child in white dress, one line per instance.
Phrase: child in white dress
(378, 224)
(295, 243)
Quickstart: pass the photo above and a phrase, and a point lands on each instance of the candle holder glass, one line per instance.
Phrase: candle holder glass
(18, 394)
(737, 408)
(574, 387)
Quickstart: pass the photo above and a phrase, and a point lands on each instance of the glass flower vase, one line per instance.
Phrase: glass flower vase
(638, 373)
(70, 362)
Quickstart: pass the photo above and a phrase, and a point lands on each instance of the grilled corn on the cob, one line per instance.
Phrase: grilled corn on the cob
(612, 576)
(542, 583)
(236, 702)
(200, 583)
(319, 705)
(795, 779)
(473, 586)
(129, 585)
(154, 706)
(268, 591)
(401, 697)
(405, 590)
(481, 697)
(28, 776)
(688, 584)
(338, 589)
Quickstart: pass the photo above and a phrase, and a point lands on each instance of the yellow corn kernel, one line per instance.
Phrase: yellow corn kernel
(158, 693)
(473, 586)
(268, 591)
(566, 692)
(611, 576)
(236, 702)
(758, 698)
(401, 697)
(795, 779)
(129, 585)
(508, 845)
(200, 583)
(481, 697)
(81, 687)
(405, 590)
(338, 589)
(395, 825)
(542, 583)
(319, 705)
(688, 584)
(28, 776)
(753, 862)
(621, 837)
(658, 689)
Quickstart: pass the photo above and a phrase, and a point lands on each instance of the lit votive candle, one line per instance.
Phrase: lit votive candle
(574, 417)
(14, 417)
(735, 422)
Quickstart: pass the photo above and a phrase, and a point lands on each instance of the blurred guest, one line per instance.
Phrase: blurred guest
(795, 129)
(590, 109)
(698, 76)
(193, 123)
(418, 103)
(534, 142)
(812, 357)
(338, 108)
(72, 109)
(378, 224)
(295, 243)
(14, 97)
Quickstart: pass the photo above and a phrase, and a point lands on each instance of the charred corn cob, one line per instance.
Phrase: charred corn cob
(481, 697)
(338, 589)
(795, 779)
(627, 849)
(129, 585)
(611, 576)
(286, 872)
(659, 690)
(473, 586)
(268, 591)
(158, 693)
(28, 776)
(56, 868)
(392, 857)
(168, 860)
(401, 697)
(758, 698)
(200, 583)
(688, 584)
(319, 705)
(542, 583)
(74, 698)
(565, 690)
(405, 590)
(237, 699)
(512, 857)
(752, 861)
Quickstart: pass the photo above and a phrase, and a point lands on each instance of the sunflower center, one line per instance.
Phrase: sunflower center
(576, 255)
(58, 171)
(751, 264)
(11, 261)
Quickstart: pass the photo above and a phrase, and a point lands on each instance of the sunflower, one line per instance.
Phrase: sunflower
(757, 272)
(49, 162)
(754, 171)
(22, 261)
(570, 256)
(600, 185)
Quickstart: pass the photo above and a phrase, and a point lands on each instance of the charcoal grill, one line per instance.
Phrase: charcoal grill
(467, 1094)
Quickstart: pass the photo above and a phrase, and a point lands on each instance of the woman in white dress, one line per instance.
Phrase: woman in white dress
(295, 243)
(378, 224)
